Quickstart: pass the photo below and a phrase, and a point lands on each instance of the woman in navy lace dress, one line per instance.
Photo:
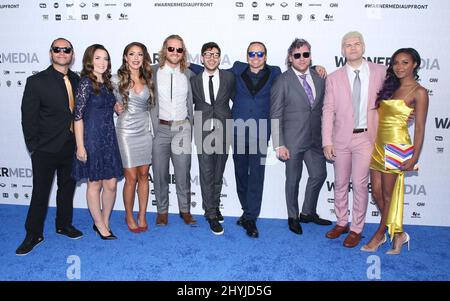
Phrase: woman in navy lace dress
(97, 156)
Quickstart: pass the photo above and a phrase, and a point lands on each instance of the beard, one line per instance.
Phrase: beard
(174, 59)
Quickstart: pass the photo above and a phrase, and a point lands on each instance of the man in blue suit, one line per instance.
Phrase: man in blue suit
(251, 116)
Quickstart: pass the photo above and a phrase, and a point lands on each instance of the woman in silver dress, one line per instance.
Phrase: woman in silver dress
(133, 88)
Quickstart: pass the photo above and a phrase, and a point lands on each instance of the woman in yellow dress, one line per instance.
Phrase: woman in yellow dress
(399, 97)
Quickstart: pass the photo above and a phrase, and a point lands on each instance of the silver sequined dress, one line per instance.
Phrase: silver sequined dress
(134, 128)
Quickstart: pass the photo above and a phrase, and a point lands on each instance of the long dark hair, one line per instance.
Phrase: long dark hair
(145, 72)
(391, 82)
(88, 68)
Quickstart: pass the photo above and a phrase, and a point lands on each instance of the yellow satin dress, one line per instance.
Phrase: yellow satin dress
(392, 128)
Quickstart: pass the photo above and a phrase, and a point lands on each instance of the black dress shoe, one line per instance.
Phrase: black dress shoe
(250, 227)
(215, 226)
(70, 231)
(308, 218)
(240, 221)
(219, 216)
(294, 225)
(28, 245)
(109, 237)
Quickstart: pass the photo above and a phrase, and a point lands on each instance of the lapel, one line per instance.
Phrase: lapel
(199, 80)
(155, 69)
(371, 93)
(347, 91)
(248, 82)
(62, 86)
(222, 86)
(318, 86)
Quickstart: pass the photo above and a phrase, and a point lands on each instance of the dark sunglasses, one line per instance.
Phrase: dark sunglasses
(252, 54)
(172, 49)
(66, 50)
(299, 55)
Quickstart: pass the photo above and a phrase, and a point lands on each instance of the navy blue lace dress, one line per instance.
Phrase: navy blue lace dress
(100, 141)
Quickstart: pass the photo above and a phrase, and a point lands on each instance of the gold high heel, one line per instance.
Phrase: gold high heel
(366, 248)
(397, 251)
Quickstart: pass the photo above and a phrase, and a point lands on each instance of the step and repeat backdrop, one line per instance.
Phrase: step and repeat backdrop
(28, 28)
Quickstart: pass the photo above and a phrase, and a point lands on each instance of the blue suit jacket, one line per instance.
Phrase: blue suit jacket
(249, 104)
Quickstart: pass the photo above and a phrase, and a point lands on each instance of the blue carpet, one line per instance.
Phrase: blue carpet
(179, 252)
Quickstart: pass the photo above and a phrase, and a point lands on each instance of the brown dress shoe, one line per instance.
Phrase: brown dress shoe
(352, 239)
(162, 219)
(337, 231)
(188, 219)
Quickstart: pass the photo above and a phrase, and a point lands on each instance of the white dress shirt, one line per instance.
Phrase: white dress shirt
(216, 83)
(172, 93)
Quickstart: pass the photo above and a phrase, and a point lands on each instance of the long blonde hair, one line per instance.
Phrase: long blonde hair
(162, 53)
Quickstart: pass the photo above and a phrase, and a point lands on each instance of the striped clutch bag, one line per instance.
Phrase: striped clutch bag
(395, 154)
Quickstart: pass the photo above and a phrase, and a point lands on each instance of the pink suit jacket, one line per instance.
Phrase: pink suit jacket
(337, 117)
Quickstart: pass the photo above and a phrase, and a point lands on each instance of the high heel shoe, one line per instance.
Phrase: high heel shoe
(143, 229)
(399, 249)
(134, 230)
(109, 237)
(366, 248)
(110, 231)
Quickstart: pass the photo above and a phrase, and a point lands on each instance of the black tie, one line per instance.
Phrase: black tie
(211, 89)
(171, 86)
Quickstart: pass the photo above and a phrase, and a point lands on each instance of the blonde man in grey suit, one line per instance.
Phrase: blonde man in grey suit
(172, 118)
(296, 107)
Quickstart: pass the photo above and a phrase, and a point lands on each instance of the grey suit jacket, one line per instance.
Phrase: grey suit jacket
(221, 108)
(299, 123)
(154, 112)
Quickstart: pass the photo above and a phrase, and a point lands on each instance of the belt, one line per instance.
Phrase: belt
(357, 131)
(172, 122)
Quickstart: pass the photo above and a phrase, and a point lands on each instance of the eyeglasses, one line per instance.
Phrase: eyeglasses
(299, 55)
(66, 50)
(172, 49)
(208, 55)
(252, 54)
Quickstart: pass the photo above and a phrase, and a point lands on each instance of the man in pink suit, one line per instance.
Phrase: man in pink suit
(349, 128)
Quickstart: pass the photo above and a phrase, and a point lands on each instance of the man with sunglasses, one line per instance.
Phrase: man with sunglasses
(296, 107)
(172, 119)
(349, 128)
(250, 113)
(47, 119)
(212, 91)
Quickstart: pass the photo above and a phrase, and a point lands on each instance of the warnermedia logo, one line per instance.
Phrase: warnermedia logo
(341, 61)
(442, 123)
(16, 172)
(19, 57)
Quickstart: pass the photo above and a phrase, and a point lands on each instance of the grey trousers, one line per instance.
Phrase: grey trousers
(172, 143)
(316, 165)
